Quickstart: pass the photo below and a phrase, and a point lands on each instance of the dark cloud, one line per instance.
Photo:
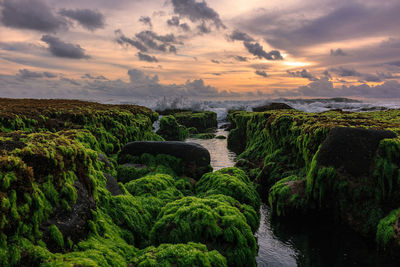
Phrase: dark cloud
(174, 21)
(157, 42)
(146, 20)
(27, 74)
(237, 35)
(87, 18)
(394, 63)
(346, 72)
(203, 29)
(337, 21)
(302, 74)
(91, 77)
(71, 81)
(240, 58)
(261, 73)
(338, 52)
(196, 11)
(257, 50)
(30, 14)
(185, 27)
(371, 78)
(259, 66)
(325, 88)
(148, 58)
(215, 61)
(61, 49)
(123, 40)
(327, 75)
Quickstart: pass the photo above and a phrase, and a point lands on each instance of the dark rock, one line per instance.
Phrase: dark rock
(104, 159)
(195, 158)
(134, 165)
(272, 106)
(351, 149)
(171, 111)
(11, 145)
(112, 185)
(72, 223)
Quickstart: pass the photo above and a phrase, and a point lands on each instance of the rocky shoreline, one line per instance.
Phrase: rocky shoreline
(75, 193)
(343, 165)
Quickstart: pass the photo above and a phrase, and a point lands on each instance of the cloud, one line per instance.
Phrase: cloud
(87, 18)
(335, 21)
(175, 22)
(197, 11)
(338, 52)
(158, 42)
(302, 74)
(146, 20)
(31, 15)
(257, 50)
(346, 72)
(61, 49)
(215, 61)
(203, 29)
(27, 74)
(240, 58)
(123, 40)
(261, 73)
(91, 77)
(148, 58)
(325, 88)
(237, 35)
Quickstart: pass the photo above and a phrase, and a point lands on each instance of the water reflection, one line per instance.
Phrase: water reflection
(221, 157)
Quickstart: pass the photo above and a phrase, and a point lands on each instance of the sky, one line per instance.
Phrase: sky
(211, 49)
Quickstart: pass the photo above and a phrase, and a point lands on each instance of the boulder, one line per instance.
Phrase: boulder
(351, 149)
(195, 158)
(272, 106)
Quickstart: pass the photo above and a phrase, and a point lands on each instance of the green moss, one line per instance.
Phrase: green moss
(128, 172)
(56, 235)
(219, 225)
(171, 130)
(180, 255)
(222, 183)
(283, 201)
(385, 230)
(202, 121)
(160, 186)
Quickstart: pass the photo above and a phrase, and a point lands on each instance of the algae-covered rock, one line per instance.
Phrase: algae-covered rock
(195, 159)
(341, 163)
(208, 221)
(204, 136)
(171, 130)
(161, 186)
(180, 255)
(202, 121)
(226, 183)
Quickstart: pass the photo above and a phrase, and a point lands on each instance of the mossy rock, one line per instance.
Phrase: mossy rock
(202, 121)
(221, 137)
(161, 186)
(180, 255)
(222, 183)
(388, 231)
(208, 221)
(127, 172)
(288, 197)
(171, 130)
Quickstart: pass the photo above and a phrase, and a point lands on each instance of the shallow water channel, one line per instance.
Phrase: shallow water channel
(309, 242)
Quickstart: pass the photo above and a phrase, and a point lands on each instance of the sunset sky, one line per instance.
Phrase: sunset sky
(103, 49)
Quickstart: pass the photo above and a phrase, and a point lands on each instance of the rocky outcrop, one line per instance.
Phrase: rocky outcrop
(195, 158)
(345, 164)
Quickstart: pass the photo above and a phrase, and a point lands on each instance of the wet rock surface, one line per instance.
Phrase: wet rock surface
(352, 149)
(272, 106)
